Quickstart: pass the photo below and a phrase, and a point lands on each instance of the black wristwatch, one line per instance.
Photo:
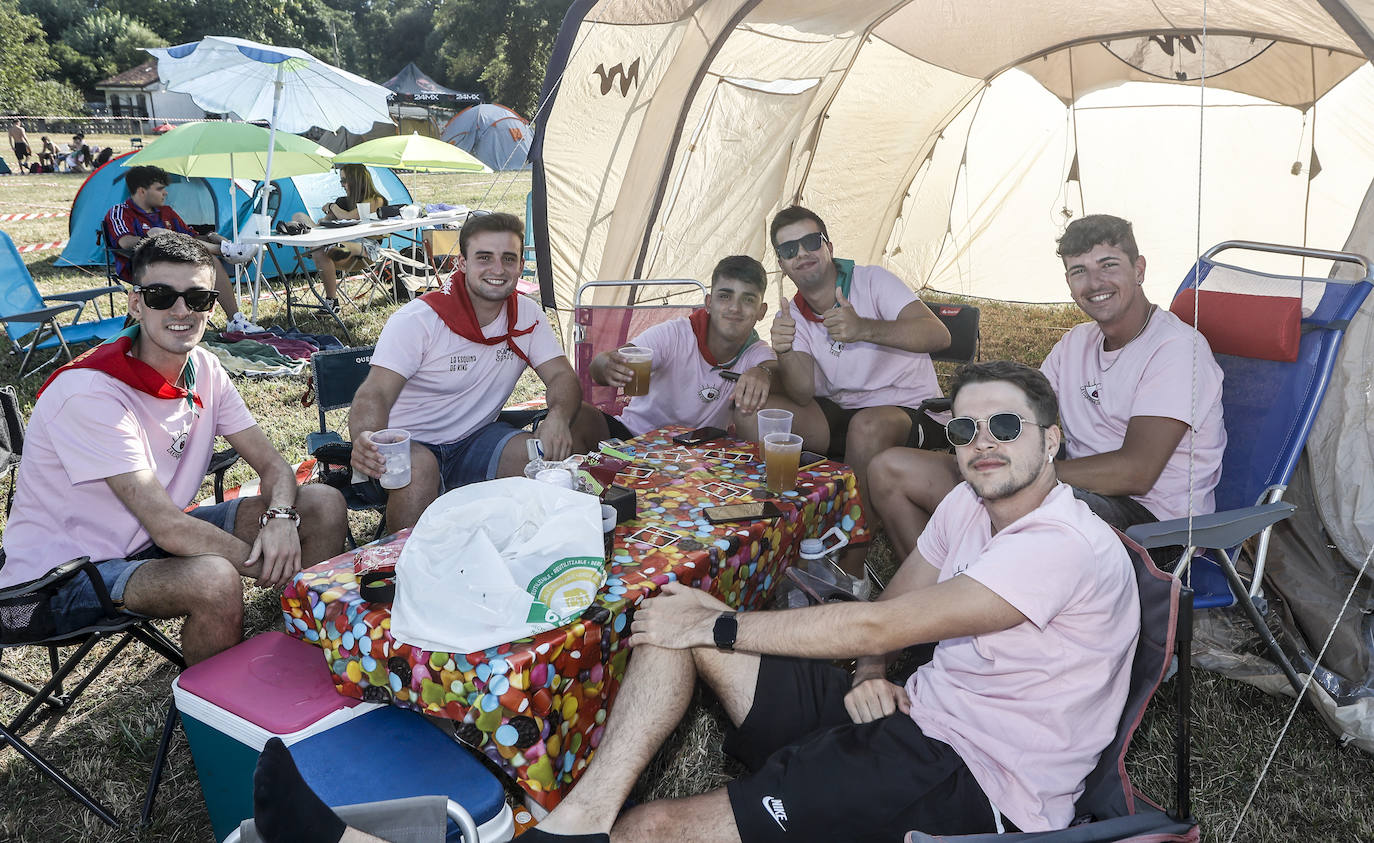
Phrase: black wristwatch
(727, 627)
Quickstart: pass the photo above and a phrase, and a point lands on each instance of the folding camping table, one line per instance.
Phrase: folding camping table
(537, 706)
(302, 244)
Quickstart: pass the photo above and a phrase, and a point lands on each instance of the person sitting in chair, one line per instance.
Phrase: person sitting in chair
(360, 194)
(703, 364)
(447, 363)
(47, 154)
(1032, 599)
(117, 449)
(1123, 384)
(146, 213)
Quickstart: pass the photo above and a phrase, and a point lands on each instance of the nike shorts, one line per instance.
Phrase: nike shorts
(817, 775)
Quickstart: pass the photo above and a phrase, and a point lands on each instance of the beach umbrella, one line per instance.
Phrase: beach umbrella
(289, 88)
(412, 152)
(217, 149)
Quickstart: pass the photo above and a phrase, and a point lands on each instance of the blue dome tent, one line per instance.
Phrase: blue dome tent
(497, 136)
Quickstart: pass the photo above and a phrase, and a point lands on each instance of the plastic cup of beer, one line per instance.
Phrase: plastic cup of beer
(774, 421)
(782, 457)
(394, 446)
(640, 361)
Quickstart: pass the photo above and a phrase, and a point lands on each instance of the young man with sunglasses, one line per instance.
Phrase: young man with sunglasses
(853, 356)
(116, 450)
(705, 365)
(1126, 393)
(146, 213)
(447, 363)
(1014, 574)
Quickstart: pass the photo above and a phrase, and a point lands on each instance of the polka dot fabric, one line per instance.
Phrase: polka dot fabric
(537, 706)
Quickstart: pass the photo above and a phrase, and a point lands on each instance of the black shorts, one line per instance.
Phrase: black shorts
(21, 151)
(617, 427)
(1121, 511)
(817, 775)
(926, 433)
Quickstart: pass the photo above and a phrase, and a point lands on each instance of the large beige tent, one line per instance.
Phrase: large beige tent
(952, 141)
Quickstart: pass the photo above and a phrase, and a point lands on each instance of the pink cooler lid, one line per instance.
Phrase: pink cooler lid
(272, 680)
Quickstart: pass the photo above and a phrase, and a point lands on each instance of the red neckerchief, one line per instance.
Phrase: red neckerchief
(700, 319)
(807, 313)
(453, 303)
(112, 358)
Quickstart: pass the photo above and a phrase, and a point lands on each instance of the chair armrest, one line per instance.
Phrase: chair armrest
(39, 316)
(315, 441)
(1217, 530)
(523, 418)
(62, 572)
(85, 295)
(935, 405)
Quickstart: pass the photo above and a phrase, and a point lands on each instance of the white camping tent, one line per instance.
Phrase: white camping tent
(952, 141)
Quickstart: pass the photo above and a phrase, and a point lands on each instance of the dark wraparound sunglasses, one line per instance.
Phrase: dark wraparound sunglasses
(163, 296)
(1004, 427)
(810, 243)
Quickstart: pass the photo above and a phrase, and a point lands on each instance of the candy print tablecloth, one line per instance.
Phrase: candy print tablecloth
(537, 706)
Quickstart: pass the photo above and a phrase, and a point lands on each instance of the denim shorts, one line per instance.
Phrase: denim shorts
(474, 458)
(77, 604)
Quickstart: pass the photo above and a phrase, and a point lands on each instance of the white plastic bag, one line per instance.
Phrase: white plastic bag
(492, 562)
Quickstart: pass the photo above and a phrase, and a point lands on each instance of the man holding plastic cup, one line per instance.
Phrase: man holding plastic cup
(447, 363)
(693, 371)
(853, 355)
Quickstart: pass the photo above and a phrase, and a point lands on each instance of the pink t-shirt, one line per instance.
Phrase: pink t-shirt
(1029, 709)
(1099, 391)
(861, 374)
(685, 389)
(86, 427)
(455, 386)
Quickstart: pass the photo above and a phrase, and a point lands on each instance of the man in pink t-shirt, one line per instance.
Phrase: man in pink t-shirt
(705, 366)
(853, 356)
(117, 449)
(446, 364)
(1131, 383)
(1032, 601)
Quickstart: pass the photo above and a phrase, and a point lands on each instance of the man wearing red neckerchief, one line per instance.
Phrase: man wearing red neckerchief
(446, 364)
(853, 356)
(705, 365)
(117, 448)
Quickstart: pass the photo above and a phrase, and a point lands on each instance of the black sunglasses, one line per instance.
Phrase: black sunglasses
(1004, 427)
(810, 243)
(163, 296)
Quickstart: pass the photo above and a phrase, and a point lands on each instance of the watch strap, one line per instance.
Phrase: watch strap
(726, 630)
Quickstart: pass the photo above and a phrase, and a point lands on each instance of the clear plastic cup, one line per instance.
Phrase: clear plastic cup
(394, 446)
(641, 361)
(781, 458)
(774, 421)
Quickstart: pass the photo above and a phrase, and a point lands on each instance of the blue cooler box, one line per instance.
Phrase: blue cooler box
(231, 704)
(393, 753)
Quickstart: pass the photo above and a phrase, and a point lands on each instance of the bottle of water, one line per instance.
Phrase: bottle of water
(821, 560)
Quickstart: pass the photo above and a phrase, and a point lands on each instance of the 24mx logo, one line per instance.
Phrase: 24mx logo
(627, 77)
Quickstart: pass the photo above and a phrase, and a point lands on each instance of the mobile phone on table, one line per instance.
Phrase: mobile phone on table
(699, 436)
(809, 459)
(752, 511)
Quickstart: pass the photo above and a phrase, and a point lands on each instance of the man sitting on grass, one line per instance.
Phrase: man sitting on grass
(117, 449)
(704, 364)
(447, 363)
(146, 213)
(1032, 600)
(1125, 390)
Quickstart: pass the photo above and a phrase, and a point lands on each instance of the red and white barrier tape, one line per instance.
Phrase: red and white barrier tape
(39, 247)
(36, 216)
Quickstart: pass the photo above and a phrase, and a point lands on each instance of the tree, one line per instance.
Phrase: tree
(501, 46)
(102, 44)
(24, 60)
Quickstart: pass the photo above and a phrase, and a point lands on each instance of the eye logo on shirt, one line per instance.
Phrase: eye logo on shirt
(1092, 392)
(178, 444)
(504, 354)
(708, 393)
(836, 347)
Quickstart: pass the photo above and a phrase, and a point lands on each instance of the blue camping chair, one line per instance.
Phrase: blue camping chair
(30, 318)
(1276, 338)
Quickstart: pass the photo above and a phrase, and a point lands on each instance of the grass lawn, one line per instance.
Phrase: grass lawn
(1316, 788)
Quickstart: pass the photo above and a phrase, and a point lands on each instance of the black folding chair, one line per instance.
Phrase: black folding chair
(27, 620)
(336, 376)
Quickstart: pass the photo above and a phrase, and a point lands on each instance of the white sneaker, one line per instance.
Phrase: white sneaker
(240, 325)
